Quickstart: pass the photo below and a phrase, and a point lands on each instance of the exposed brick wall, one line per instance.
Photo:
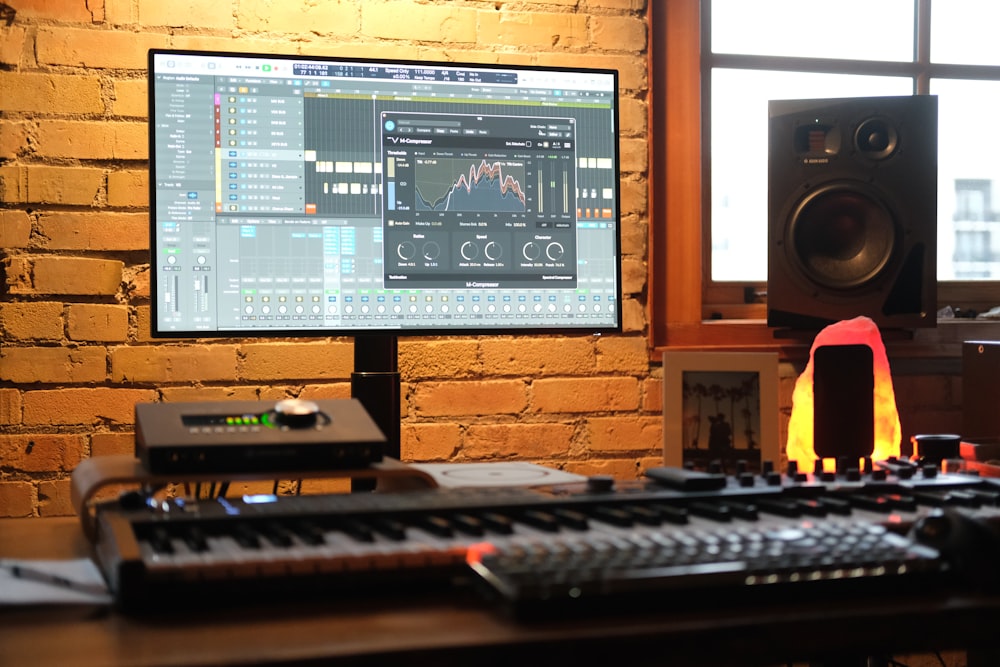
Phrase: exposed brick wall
(75, 350)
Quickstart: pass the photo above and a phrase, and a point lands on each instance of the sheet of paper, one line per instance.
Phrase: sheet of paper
(27, 582)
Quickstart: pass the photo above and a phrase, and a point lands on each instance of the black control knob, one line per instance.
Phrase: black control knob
(296, 413)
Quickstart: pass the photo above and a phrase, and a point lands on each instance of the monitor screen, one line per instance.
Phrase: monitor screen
(295, 195)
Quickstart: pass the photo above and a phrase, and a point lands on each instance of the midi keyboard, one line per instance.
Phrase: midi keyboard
(569, 545)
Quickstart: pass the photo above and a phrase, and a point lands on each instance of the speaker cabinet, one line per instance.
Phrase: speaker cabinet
(852, 211)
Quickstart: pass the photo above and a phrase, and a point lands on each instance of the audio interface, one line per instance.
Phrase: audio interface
(256, 436)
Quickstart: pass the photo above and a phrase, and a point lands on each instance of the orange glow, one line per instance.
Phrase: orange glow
(888, 433)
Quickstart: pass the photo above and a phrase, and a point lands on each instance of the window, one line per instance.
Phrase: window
(799, 49)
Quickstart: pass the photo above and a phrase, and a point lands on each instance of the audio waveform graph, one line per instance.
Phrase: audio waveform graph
(484, 188)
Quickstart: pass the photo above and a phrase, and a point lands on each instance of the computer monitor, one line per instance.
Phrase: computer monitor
(317, 196)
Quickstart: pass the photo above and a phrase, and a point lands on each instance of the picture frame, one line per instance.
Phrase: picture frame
(720, 406)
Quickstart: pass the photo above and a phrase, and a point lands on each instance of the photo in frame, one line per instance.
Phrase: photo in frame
(720, 406)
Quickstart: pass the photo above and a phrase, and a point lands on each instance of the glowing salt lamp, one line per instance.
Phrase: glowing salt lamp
(888, 433)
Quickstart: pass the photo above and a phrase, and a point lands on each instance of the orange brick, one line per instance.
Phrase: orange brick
(12, 46)
(95, 48)
(54, 498)
(633, 275)
(10, 406)
(634, 155)
(430, 23)
(51, 93)
(128, 188)
(627, 32)
(539, 356)
(534, 30)
(444, 358)
(584, 394)
(59, 10)
(496, 397)
(652, 392)
(188, 394)
(131, 98)
(633, 117)
(32, 320)
(626, 434)
(75, 275)
(628, 355)
(215, 15)
(275, 361)
(97, 322)
(42, 452)
(173, 363)
(92, 140)
(64, 185)
(429, 442)
(335, 17)
(105, 230)
(13, 184)
(13, 138)
(83, 406)
(53, 364)
(15, 229)
(331, 390)
(633, 316)
(623, 469)
(522, 441)
(17, 499)
(112, 444)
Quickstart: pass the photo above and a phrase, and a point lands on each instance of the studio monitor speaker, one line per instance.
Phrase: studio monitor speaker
(852, 211)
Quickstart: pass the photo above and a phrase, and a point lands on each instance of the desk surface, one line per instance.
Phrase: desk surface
(449, 627)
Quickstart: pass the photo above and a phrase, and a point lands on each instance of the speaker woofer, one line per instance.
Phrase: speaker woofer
(842, 236)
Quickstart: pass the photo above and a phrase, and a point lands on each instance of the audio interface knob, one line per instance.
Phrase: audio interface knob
(296, 413)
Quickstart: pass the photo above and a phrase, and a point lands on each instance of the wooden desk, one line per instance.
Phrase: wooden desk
(458, 628)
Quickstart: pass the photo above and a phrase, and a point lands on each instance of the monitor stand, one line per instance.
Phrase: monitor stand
(375, 383)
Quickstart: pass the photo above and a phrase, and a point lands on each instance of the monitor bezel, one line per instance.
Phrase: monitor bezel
(157, 332)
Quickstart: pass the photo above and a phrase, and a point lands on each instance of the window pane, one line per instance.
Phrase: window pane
(739, 155)
(965, 32)
(852, 29)
(968, 179)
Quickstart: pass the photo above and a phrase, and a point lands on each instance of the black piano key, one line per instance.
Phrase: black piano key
(435, 525)
(465, 523)
(246, 536)
(571, 519)
(615, 516)
(357, 530)
(496, 523)
(308, 532)
(812, 507)
(276, 534)
(836, 505)
(194, 538)
(779, 507)
(388, 528)
(646, 515)
(541, 520)
(671, 514)
(709, 510)
(742, 510)
(160, 541)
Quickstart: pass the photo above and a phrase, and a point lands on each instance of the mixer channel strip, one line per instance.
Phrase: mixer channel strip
(533, 546)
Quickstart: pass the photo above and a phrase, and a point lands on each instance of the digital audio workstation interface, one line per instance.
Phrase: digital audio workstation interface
(311, 194)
